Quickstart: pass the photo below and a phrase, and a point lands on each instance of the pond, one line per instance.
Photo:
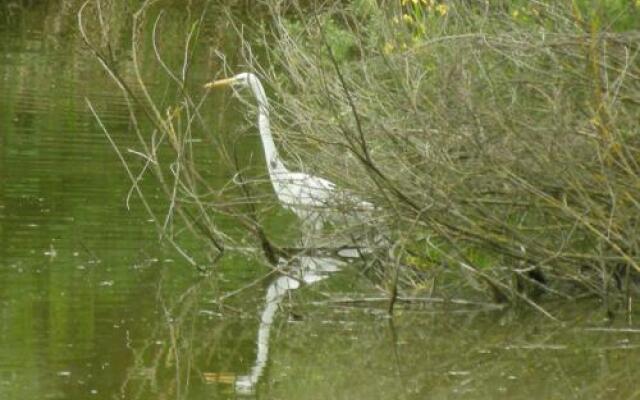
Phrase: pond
(92, 306)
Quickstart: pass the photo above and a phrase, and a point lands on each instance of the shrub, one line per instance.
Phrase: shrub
(500, 142)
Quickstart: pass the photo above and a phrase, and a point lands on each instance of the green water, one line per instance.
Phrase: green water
(92, 306)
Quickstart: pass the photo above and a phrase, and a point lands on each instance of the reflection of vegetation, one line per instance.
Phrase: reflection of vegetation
(496, 356)
(347, 352)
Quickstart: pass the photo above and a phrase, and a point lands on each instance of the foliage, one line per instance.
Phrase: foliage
(500, 140)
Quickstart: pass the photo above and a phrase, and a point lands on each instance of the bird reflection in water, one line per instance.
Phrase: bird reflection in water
(307, 270)
(304, 270)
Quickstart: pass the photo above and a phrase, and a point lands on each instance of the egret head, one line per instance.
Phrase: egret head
(244, 80)
(241, 80)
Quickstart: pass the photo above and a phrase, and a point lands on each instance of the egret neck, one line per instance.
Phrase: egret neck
(274, 164)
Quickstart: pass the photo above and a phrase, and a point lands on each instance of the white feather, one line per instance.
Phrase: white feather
(306, 195)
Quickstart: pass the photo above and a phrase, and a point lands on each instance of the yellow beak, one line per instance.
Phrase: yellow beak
(219, 82)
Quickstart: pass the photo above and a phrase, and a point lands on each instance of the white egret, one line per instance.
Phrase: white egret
(306, 195)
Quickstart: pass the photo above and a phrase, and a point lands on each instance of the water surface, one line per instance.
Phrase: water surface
(92, 306)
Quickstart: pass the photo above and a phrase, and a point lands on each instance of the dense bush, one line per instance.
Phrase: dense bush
(499, 140)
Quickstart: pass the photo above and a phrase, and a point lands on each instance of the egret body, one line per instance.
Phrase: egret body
(304, 194)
